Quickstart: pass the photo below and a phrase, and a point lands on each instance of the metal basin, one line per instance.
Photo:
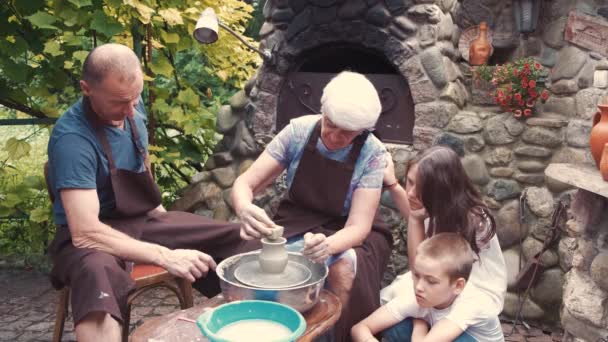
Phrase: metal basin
(302, 297)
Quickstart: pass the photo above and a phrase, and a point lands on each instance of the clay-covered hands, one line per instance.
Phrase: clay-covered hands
(315, 247)
(187, 263)
(255, 223)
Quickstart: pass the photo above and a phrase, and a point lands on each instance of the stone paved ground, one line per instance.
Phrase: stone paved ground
(27, 310)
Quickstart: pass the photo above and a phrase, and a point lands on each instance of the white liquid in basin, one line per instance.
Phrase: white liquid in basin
(260, 329)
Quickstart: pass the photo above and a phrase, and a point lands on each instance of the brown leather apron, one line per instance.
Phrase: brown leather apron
(315, 203)
(102, 282)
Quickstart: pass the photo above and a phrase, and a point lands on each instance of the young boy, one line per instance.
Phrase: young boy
(442, 268)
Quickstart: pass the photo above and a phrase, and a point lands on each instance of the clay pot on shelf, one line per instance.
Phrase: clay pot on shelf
(599, 133)
(480, 48)
(604, 163)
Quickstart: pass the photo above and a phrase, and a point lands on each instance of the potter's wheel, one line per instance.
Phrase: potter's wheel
(250, 273)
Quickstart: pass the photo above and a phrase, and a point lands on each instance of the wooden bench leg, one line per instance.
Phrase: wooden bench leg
(60, 313)
(185, 289)
(127, 322)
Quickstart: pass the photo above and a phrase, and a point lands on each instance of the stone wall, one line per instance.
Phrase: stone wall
(503, 155)
(583, 254)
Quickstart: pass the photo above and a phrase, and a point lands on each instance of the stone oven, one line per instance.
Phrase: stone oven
(409, 49)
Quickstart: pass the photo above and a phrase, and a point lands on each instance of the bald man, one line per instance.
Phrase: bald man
(108, 208)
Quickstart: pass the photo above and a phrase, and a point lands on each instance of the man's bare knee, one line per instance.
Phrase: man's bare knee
(97, 326)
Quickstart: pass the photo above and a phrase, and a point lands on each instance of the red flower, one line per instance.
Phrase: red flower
(537, 66)
(521, 103)
(544, 95)
(515, 72)
(530, 103)
(532, 93)
(524, 83)
(527, 112)
(518, 97)
(517, 113)
(500, 93)
(527, 66)
(532, 83)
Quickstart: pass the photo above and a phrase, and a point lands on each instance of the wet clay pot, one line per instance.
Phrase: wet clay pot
(599, 133)
(273, 257)
(604, 163)
(480, 48)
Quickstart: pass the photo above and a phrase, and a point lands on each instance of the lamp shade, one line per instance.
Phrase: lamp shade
(526, 15)
(207, 27)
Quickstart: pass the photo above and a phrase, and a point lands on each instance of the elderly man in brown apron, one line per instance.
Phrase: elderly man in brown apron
(108, 208)
(335, 174)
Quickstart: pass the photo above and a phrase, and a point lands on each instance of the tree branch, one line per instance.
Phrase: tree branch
(182, 175)
(23, 108)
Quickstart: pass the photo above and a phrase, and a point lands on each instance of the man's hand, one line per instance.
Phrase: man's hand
(187, 263)
(255, 223)
(315, 247)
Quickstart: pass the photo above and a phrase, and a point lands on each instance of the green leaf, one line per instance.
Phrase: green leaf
(145, 12)
(160, 105)
(105, 25)
(40, 215)
(80, 55)
(53, 48)
(172, 16)
(177, 115)
(81, 3)
(33, 182)
(189, 97)
(17, 148)
(71, 40)
(70, 17)
(11, 200)
(43, 20)
(162, 67)
(170, 38)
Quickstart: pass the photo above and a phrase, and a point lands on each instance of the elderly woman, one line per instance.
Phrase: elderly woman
(334, 177)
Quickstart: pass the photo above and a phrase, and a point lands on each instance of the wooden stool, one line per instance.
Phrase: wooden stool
(146, 277)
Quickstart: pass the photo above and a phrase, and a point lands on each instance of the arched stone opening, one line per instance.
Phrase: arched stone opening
(303, 86)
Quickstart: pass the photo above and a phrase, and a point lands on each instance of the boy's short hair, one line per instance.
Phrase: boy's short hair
(452, 250)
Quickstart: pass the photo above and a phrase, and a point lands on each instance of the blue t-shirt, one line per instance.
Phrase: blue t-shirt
(77, 161)
(287, 148)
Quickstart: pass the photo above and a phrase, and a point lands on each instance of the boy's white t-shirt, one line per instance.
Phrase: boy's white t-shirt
(489, 275)
(479, 320)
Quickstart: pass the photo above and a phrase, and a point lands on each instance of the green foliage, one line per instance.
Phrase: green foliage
(43, 46)
(25, 211)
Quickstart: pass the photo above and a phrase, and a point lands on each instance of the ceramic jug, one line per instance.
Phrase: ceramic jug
(479, 50)
(599, 133)
(604, 163)
(273, 257)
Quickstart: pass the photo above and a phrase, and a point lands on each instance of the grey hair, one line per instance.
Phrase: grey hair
(351, 102)
(109, 59)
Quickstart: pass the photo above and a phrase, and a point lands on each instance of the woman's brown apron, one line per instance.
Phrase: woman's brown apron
(315, 203)
(102, 282)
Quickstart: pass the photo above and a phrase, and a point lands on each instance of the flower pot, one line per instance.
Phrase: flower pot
(599, 133)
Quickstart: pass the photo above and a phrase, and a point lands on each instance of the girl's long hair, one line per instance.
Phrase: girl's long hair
(450, 198)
